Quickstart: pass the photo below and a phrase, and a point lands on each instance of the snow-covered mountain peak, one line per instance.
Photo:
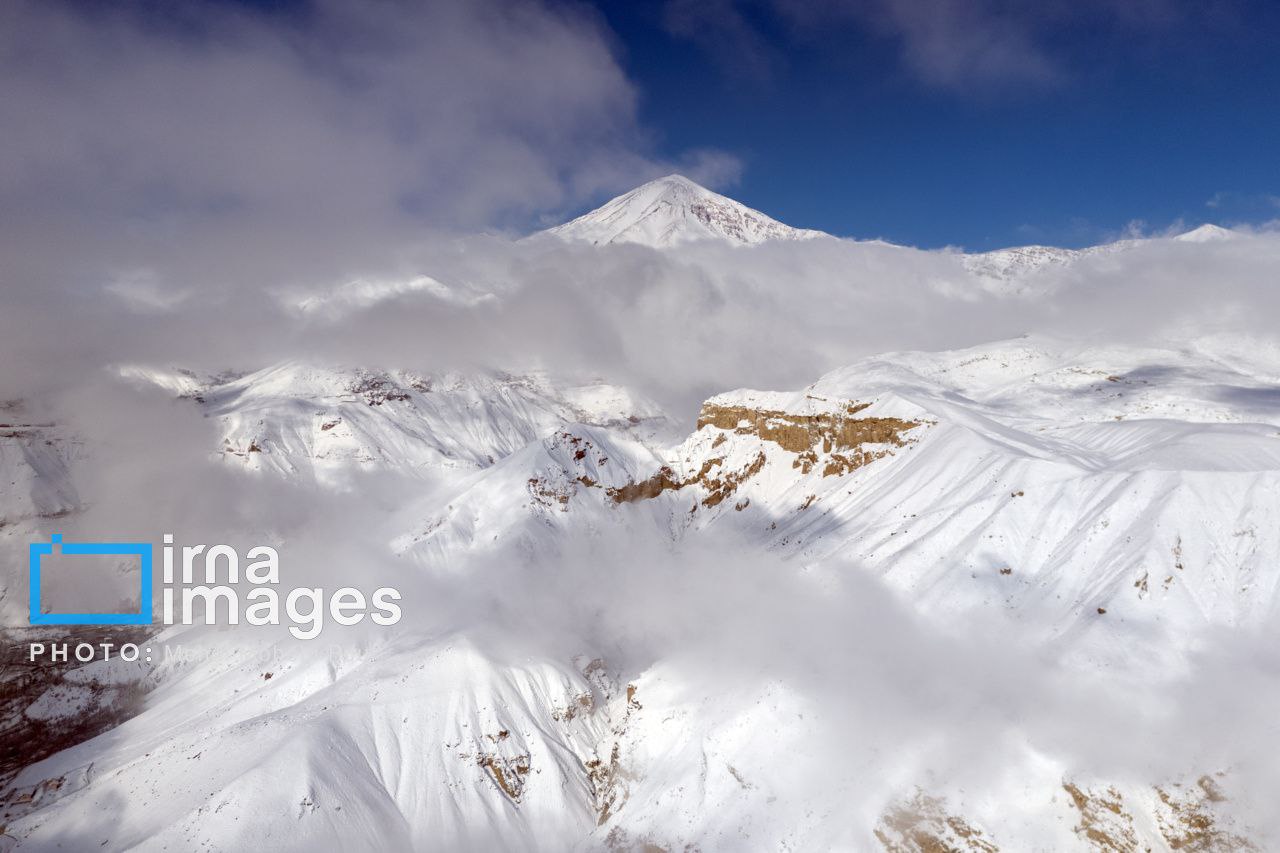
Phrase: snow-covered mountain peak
(674, 183)
(1207, 234)
(673, 210)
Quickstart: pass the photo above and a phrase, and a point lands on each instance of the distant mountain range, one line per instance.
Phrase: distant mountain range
(674, 210)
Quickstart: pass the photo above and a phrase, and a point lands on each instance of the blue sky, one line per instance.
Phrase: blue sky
(363, 125)
(979, 124)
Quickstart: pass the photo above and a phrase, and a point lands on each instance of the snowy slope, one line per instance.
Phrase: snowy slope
(1008, 264)
(675, 210)
(434, 743)
(527, 500)
(1141, 482)
(1009, 270)
(1096, 476)
(1109, 503)
(297, 418)
(430, 745)
(1207, 234)
(34, 467)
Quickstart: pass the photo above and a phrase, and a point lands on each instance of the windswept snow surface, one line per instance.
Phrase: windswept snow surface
(960, 600)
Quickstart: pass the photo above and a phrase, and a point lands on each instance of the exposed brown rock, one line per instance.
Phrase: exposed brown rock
(840, 437)
(608, 785)
(548, 494)
(1103, 821)
(648, 489)
(1185, 819)
(839, 464)
(798, 433)
(719, 486)
(922, 825)
(582, 703)
(1190, 823)
(508, 773)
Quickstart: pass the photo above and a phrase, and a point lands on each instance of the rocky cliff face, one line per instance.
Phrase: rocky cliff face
(743, 438)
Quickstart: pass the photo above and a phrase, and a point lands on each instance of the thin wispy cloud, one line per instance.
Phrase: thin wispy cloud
(721, 28)
(964, 46)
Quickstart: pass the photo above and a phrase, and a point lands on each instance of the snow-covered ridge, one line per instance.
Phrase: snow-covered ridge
(1005, 267)
(304, 419)
(1111, 500)
(1207, 234)
(674, 210)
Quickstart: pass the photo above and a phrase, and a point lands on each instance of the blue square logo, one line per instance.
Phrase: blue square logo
(142, 550)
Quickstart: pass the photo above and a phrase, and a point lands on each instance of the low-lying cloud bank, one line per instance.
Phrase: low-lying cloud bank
(979, 704)
(679, 323)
